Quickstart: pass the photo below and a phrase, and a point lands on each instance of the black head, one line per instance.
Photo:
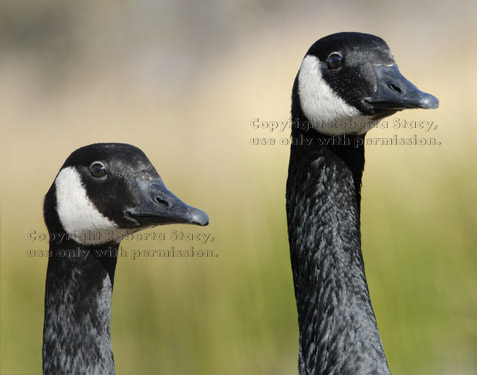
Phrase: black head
(353, 76)
(107, 190)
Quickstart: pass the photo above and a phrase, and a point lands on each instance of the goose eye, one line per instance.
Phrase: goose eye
(97, 169)
(334, 61)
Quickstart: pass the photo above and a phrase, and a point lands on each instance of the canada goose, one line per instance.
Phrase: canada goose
(101, 193)
(347, 82)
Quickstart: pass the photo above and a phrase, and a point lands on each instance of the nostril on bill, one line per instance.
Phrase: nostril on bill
(162, 202)
(394, 88)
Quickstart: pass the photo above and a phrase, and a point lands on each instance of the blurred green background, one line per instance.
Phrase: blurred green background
(182, 81)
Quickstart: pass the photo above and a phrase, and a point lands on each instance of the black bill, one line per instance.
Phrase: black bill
(394, 92)
(159, 206)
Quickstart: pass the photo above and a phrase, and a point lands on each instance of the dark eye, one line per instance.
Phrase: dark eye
(334, 61)
(97, 169)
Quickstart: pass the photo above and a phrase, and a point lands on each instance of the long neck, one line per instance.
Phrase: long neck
(338, 331)
(76, 334)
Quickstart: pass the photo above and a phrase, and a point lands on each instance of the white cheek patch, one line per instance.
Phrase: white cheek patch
(78, 215)
(326, 111)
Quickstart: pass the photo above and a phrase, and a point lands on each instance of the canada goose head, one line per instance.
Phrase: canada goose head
(110, 190)
(349, 78)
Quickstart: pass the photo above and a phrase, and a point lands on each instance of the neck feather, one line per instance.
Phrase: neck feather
(79, 285)
(338, 331)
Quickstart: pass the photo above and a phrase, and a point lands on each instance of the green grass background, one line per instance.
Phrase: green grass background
(182, 82)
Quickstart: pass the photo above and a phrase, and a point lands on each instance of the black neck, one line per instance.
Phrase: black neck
(338, 331)
(77, 333)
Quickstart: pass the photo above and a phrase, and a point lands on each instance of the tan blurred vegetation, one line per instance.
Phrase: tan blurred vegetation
(182, 80)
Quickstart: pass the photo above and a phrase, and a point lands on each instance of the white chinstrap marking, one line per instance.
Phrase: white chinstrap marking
(78, 215)
(327, 112)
